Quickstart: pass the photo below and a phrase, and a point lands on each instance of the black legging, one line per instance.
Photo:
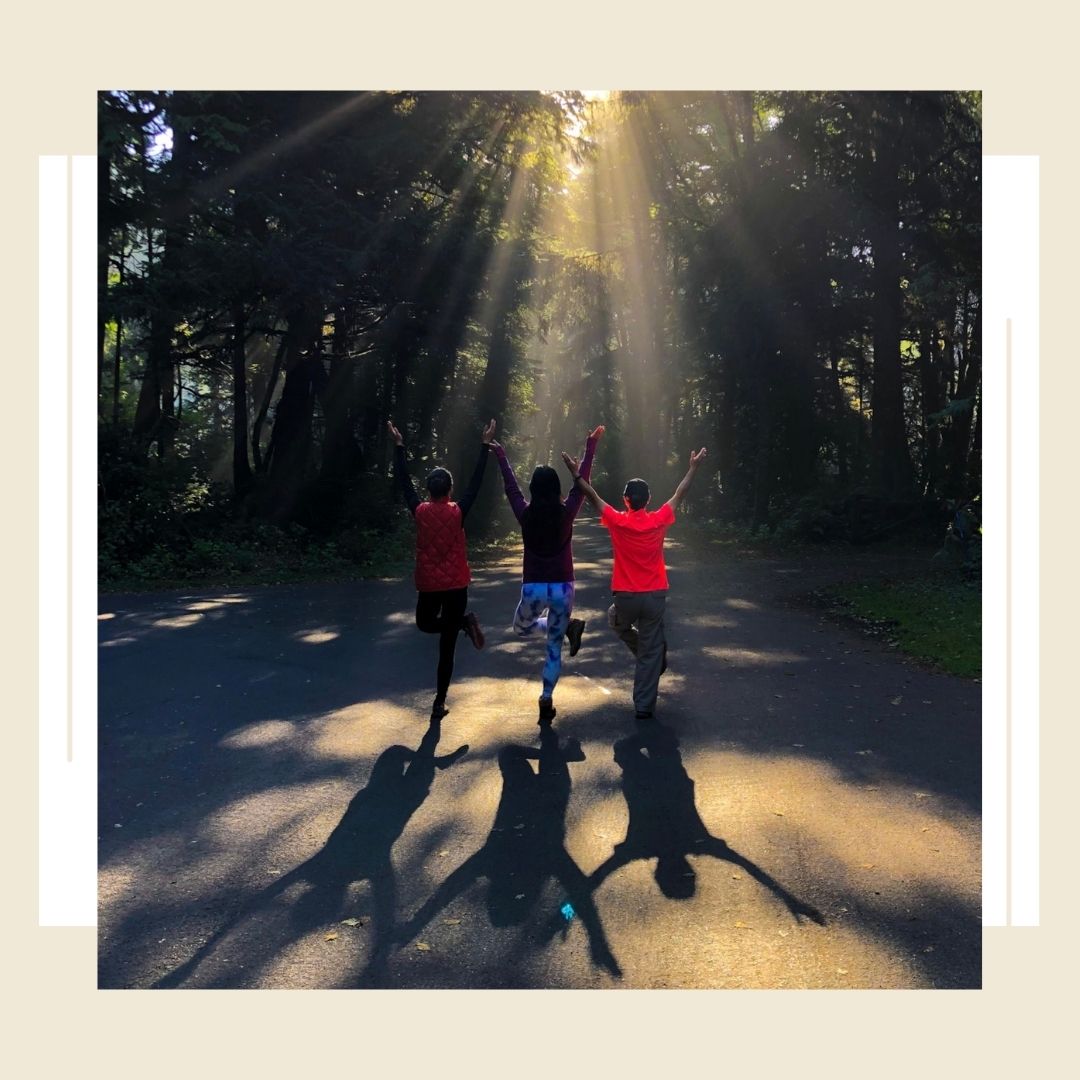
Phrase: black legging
(443, 613)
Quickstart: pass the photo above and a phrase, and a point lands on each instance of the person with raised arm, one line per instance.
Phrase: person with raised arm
(442, 566)
(547, 578)
(639, 581)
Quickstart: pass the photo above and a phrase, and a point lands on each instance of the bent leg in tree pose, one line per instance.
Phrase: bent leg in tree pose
(547, 589)
(442, 567)
(639, 581)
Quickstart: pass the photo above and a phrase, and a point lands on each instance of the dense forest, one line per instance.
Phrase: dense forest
(790, 278)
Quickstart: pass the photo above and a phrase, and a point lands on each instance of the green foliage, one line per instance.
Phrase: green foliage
(686, 268)
(937, 619)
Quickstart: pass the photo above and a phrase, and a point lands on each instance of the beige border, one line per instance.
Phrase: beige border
(54, 61)
(1008, 686)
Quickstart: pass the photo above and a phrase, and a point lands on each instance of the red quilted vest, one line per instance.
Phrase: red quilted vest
(441, 562)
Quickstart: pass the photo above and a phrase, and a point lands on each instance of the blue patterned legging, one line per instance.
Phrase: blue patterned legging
(546, 606)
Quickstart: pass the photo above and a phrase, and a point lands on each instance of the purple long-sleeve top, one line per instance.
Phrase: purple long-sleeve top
(559, 565)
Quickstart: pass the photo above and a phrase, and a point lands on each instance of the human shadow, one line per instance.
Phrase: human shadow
(357, 849)
(665, 824)
(525, 847)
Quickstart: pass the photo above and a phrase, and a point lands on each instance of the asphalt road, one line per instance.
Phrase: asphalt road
(276, 811)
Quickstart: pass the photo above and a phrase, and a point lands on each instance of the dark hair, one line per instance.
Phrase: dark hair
(637, 491)
(542, 521)
(439, 483)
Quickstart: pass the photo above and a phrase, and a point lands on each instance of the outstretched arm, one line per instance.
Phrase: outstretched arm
(401, 470)
(579, 890)
(475, 866)
(444, 761)
(717, 848)
(577, 496)
(466, 500)
(510, 484)
(684, 484)
(589, 491)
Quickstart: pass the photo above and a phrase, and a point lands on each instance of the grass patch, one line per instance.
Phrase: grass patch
(937, 619)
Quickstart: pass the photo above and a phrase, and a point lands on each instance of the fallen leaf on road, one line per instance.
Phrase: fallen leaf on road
(736, 877)
(898, 699)
(330, 936)
(740, 925)
(921, 795)
(423, 946)
(779, 813)
(520, 896)
(863, 753)
(451, 922)
(352, 922)
(868, 865)
(841, 971)
(798, 745)
(443, 854)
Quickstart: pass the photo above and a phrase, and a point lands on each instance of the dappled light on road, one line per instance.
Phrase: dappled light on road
(257, 735)
(711, 622)
(739, 657)
(317, 637)
(209, 602)
(177, 622)
(807, 756)
(741, 605)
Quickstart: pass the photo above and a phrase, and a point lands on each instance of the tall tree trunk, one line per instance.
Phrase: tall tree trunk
(157, 420)
(242, 477)
(105, 219)
(932, 402)
(888, 441)
(119, 334)
(840, 414)
(291, 440)
(148, 407)
(960, 444)
(341, 455)
(264, 408)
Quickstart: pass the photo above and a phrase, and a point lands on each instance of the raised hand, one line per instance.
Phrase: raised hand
(596, 432)
(698, 458)
(494, 444)
(572, 463)
(489, 433)
(394, 433)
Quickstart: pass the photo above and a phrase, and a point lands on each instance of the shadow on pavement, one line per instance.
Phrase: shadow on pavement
(665, 824)
(358, 849)
(524, 849)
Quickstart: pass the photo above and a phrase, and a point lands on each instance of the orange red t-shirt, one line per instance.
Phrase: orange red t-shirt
(637, 540)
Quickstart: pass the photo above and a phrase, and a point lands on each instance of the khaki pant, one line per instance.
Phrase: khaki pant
(638, 618)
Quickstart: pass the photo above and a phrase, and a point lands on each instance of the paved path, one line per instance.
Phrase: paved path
(275, 810)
